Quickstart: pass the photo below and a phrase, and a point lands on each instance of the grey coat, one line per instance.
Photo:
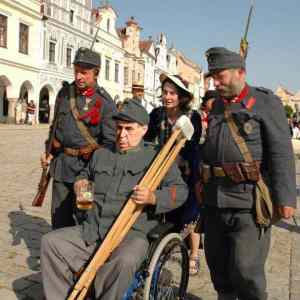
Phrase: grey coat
(115, 174)
(65, 168)
(269, 142)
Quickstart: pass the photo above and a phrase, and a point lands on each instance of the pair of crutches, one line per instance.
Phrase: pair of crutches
(183, 130)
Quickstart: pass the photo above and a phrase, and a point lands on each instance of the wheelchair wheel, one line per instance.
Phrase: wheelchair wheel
(168, 270)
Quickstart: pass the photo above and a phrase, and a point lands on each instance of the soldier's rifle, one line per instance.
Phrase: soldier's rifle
(45, 177)
(244, 42)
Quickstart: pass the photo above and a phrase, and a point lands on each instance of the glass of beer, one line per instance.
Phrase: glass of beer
(85, 196)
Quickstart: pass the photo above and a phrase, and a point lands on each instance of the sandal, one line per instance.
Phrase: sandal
(194, 267)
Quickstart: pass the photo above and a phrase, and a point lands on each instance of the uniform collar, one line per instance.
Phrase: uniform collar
(240, 97)
(244, 98)
(131, 150)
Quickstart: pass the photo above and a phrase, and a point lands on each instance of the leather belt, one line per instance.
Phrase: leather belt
(237, 172)
(82, 151)
(210, 171)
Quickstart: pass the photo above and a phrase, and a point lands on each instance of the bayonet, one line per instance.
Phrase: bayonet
(244, 41)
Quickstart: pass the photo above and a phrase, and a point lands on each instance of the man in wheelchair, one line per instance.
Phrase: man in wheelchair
(115, 173)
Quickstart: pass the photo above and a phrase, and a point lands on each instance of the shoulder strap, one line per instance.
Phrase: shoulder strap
(81, 126)
(239, 140)
(264, 206)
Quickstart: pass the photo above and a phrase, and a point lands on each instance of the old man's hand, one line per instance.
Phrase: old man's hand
(286, 212)
(143, 195)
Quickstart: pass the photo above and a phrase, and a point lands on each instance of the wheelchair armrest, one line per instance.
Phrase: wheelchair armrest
(160, 230)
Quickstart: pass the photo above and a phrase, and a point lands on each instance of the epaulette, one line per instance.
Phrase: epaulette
(104, 94)
(264, 90)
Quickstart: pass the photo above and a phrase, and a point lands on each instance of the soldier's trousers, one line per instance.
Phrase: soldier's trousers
(236, 253)
(62, 206)
(63, 253)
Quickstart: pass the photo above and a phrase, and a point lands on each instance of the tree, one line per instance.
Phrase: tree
(289, 111)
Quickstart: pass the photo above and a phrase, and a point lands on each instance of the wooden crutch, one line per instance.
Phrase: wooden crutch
(119, 236)
(109, 243)
(155, 181)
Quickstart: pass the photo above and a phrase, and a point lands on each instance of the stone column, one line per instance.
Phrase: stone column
(2, 89)
(11, 110)
(51, 115)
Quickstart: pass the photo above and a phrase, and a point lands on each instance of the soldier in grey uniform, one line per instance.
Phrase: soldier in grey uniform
(71, 150)
(236, 247)
(115, 172)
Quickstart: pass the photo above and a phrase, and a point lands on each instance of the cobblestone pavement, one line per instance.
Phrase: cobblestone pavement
(21, 228)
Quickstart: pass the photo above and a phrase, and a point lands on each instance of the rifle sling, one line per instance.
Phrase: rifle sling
(81, 126)
(264, 205)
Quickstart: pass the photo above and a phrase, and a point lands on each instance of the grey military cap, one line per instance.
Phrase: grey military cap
(219, 58)
(133, 111)
(87, 58)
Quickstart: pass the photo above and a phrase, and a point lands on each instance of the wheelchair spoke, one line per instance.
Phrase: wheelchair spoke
(168, 274)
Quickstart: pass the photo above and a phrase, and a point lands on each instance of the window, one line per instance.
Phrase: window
(71, 16)
(23, 38)
(52, 52)
(139, 77)
(108, 25)
(117, 72)
(126, 75)
(133, 75)
(3, 31)
(107, 67)
(168, 60)
(49, 10)
(69, 57)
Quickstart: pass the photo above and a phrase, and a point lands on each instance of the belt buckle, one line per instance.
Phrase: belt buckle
(218, 172)
(206, 173)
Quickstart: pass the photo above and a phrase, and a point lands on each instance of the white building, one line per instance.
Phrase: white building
(20, 44)
(165, 63)
(67, 25)
(109, 46)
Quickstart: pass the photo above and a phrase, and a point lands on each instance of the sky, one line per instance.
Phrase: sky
(193, 26)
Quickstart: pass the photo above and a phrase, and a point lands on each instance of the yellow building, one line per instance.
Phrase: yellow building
(284, 95)
(192, 73)
(133, 60)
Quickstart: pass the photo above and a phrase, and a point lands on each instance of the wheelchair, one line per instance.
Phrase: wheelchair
(164, 274)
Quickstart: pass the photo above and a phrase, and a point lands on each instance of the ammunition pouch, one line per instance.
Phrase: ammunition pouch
(236, 172)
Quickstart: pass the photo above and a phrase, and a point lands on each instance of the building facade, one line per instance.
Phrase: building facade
(20, 44)
(109, 46)
(192, 73)
(67, 25)
(148, 54)
(133, 61)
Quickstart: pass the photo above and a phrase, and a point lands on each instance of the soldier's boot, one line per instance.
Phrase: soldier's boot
(222, 296)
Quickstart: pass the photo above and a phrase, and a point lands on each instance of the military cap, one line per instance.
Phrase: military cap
(132, 111)
(219, 58)
(87, 57)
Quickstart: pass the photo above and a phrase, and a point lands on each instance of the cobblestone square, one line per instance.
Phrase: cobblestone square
(22, 226)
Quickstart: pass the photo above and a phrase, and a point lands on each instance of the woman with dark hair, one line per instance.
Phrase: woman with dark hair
(176, 100)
